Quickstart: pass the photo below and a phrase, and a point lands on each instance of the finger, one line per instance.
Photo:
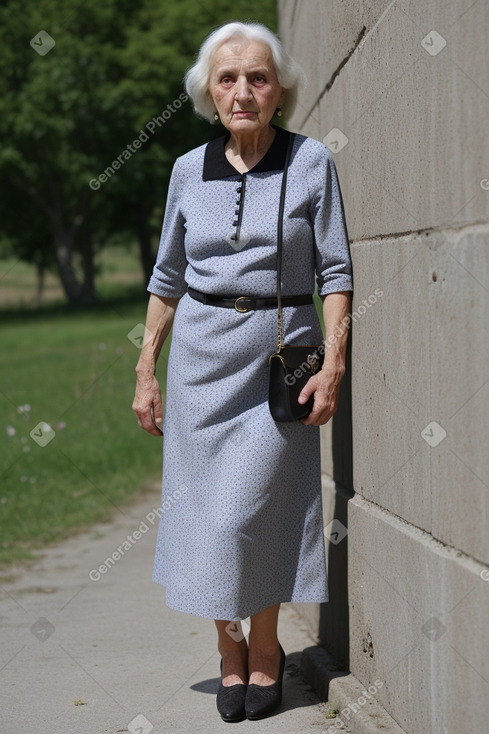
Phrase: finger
(318, 420)
(151, 428)
(145, 421)
(308, 390)
(322, 411)
(314, 415)
(158, 411)
(158, 422)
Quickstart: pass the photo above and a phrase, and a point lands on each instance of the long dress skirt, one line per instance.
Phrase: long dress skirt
(241, 515)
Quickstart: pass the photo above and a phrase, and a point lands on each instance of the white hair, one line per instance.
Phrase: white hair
(289, 73)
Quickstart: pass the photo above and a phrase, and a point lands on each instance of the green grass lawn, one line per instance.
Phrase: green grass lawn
(75, 372)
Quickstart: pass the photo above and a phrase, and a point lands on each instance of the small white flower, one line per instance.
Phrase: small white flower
(11, 431)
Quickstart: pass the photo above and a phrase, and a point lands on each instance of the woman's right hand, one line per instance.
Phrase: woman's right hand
(147, 405)
(147, 401)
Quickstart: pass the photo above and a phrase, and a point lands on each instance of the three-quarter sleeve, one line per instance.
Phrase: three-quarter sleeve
(168, 278)
(332, 251)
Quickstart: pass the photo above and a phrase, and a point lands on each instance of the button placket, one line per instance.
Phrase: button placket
(238, 212)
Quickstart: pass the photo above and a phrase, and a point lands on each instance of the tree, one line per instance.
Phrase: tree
(80, 136)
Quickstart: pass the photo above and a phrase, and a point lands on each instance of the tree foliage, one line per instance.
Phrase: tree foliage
(68, 115)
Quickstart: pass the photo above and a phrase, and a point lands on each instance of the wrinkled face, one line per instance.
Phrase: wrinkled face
(244, 87)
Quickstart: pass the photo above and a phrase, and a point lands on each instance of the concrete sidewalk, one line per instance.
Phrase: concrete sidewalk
(113, 644)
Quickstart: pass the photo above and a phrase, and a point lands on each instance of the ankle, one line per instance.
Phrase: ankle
(232, 649)
(266, 648)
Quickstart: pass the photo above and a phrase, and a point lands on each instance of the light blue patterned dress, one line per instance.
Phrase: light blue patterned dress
(241, 519)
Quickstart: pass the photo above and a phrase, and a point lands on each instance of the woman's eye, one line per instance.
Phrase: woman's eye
(226, 80)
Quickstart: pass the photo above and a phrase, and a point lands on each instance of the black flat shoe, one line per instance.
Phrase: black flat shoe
(231, 701)
(262, 700)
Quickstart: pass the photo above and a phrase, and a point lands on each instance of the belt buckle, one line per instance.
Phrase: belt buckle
(238, 308)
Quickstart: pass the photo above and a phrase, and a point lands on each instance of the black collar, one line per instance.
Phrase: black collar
(216, 165)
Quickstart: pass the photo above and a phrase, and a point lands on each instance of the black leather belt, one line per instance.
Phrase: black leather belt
(247, 303)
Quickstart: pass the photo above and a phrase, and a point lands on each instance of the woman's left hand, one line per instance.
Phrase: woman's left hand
(325, 387)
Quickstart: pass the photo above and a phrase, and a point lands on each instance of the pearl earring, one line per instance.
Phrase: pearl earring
(216, 116)
(279, 112)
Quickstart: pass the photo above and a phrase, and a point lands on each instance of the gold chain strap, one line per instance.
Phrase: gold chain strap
(279, 342)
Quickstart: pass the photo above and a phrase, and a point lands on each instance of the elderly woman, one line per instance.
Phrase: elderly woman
(242, 529)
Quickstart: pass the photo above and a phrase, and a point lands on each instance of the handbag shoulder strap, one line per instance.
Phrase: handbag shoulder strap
(280, 229)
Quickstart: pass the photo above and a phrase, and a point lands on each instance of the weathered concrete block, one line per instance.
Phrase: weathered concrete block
(416, 152)
(285, 12)
(390, 366)
(322, 35)
(418, 621)
(420, 382)
(301, 31)
(359, 710)
(399, 95)
(327, 449)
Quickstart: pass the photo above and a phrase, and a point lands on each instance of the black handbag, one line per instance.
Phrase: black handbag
(290, 367)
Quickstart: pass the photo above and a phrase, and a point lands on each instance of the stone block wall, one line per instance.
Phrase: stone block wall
(399, 91)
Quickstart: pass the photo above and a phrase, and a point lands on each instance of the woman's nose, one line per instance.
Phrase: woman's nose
(242, 89)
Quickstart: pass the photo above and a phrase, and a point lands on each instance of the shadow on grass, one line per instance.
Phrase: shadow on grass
(122, 302)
